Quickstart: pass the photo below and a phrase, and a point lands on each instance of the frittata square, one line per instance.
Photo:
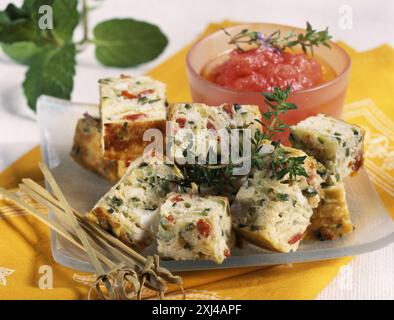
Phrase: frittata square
(129, 106)
(271, 214)
(194, 227)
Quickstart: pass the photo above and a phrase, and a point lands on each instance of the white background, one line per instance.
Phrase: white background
(369, 276)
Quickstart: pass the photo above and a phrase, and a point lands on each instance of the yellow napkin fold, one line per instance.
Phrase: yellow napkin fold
(25, 256)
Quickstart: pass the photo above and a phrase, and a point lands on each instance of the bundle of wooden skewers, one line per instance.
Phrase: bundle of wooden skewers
(122, 273)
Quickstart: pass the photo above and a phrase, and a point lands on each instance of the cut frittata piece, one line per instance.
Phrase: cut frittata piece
(87, 150)
(130, 210)
(196, 127)
(271, 214)
(337, 144)
(129, 106)
(331, 219)
(194, 227)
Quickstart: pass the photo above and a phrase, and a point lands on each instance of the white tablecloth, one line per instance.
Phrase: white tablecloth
(368, 276)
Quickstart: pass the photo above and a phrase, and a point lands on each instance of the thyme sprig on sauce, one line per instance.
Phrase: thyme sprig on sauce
(277, 41)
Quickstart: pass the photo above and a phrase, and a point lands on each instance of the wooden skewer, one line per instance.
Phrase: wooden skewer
(72, 220)
(114, 241)
(116, 253)
(60, 214)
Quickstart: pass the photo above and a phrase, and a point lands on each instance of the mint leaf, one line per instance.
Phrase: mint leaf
(28, 5)
(4, 19)
(22, 52)
(16, 25)
(14, 13)
(19, 37)
(127, 42)
(17, 30)
(51, 72)
(65, 19)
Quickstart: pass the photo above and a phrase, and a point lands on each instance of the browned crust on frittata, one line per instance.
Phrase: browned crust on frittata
(331, 219)
(102, 218)
(124, 141)
(86, 150)
(257, 238)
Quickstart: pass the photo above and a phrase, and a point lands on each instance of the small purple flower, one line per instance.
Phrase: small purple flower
(260, 36)
(262, 40)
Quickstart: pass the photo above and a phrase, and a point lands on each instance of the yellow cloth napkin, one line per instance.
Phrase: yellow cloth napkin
(26, 263)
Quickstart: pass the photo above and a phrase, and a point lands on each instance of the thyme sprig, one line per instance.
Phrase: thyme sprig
(277, 104)
(308, 40)
(245, 36)
(278, 160)
(282, 164)
(279, 163)
(294, 167)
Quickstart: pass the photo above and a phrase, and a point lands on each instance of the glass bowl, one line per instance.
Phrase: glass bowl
(327, 97)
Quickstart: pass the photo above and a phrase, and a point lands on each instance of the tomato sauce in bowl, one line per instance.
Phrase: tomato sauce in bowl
(262, 69)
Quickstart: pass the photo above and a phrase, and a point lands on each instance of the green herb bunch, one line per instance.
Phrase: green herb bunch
(308, 40)
(50, 52)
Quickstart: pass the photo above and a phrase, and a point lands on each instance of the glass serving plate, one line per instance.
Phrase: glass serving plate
(57, 119)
